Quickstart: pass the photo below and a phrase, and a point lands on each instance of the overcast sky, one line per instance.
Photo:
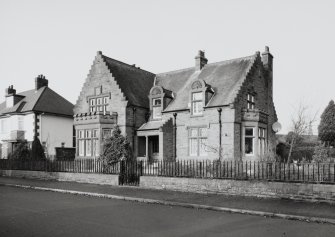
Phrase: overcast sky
(60, 39)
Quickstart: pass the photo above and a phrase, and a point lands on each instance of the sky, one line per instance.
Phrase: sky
(59, 39)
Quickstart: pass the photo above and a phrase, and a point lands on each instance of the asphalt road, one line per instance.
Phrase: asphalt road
(26, 212)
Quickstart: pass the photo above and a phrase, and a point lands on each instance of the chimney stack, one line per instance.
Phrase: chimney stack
(200, 60)
(267, 58)
(10, 91)
(40, 81)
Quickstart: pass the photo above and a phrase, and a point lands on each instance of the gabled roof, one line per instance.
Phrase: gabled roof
(224, 77)
(134, 82)
(41, 100)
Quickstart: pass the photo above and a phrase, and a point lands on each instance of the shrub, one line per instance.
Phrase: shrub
(327, 125)
(21, 152)
(320, 154)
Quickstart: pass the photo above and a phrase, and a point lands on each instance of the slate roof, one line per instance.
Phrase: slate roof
(135, 83)
(224, 77)
(41, 100)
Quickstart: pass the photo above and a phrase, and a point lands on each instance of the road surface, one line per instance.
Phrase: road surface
(25, 212)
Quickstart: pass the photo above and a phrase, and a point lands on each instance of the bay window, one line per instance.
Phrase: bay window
(88, 142)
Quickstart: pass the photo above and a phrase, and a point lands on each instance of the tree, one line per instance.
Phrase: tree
(327, 125)
(116, 148)
(37, 150)
(301, 123)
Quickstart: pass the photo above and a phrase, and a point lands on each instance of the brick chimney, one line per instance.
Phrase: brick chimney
(200, 60)
(40, 81)
(10, 91)
(11, 97)
(267, 59)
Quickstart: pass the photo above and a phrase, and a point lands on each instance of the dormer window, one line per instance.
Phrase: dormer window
(157, 108)
(197, 103)
(159, 98)
(201, 93)
(250, 101)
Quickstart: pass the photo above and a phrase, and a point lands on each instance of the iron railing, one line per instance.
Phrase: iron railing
(237, 170)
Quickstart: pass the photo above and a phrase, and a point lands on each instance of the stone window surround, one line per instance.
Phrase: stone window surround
(156, 92)
(199, 86)
(256, 149)
(198, 138)
(93, 138)
(102, 96)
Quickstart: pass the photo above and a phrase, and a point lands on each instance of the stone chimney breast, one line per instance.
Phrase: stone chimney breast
(40, 81)
(200, 60)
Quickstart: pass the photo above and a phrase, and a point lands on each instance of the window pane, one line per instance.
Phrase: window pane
(197, 96)
(248, 145)
(88, 144)
(202, 132)
(249, 132)
(88, 133)
(193, 132)
(95, 147)
(106, 133)
(99, 101)
(105, 100)
(203, 147)
(197, 107)
(157, 102)
(193, 147)
(92, 101)
(95, 133)
(81, 147)
(156, 112)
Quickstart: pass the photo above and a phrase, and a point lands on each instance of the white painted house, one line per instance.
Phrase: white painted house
(41, 112)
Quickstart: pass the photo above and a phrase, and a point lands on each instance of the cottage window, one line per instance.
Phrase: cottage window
(251, 101)
(99, 104)
(261, 140)
(197, 141)
(197, 103)
(156, 108)
(249, 141)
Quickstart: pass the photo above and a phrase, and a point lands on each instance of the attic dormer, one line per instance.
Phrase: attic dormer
(200, 95)
(159, 99)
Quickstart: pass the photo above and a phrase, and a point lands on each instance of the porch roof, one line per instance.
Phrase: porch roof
(151, 125)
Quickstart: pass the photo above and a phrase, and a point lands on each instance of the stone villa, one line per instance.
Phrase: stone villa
(208, 111)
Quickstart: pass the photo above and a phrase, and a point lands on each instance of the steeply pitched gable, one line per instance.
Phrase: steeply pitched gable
(134, 82)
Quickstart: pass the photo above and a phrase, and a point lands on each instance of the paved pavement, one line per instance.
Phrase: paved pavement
(28, 212)
(278, 206)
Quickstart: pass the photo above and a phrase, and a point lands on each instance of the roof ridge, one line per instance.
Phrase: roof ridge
(128, 65)
(214, 63)
(233, 59)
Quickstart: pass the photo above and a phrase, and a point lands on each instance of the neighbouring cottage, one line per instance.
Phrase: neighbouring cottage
(38, 112)
(209, 111)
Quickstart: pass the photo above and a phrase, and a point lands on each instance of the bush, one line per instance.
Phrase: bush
(21, 152)
(320, 154)
(116, 148)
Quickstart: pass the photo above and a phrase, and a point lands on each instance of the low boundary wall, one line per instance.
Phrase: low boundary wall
(296, 191)
(106, 179)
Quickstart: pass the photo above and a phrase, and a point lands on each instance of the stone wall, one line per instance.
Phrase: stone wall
(298, 191)
(106, 179)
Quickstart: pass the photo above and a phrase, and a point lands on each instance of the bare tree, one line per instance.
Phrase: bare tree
(301, 122)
